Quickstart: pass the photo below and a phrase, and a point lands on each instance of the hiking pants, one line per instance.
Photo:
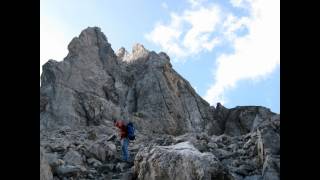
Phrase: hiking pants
(124, 148)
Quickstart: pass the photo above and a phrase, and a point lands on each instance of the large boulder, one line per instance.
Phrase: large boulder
(181, 161)
(103, 150)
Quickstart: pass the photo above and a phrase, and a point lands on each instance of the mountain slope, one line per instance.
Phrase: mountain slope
(81, 95)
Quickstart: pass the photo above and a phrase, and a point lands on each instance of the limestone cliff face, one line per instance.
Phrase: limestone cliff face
(179, 135)
(93, 84)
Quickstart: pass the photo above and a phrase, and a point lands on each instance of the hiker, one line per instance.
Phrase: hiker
(123, 138)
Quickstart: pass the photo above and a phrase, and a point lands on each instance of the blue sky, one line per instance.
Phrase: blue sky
(228, 50)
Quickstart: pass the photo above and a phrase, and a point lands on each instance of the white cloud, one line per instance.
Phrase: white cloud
(256, 54)
(188, 33)
(167, 36)
(203, 22)
(195, 3)
(241, 3)
(232, 24)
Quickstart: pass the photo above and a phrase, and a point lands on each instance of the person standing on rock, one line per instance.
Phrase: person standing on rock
(121, 125)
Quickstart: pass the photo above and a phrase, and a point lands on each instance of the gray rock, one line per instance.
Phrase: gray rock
(45, 170)
(271, 168)
(54, 160)
(91, 85)
(121, 166)
(222, 154)
(81, 73)
(270, 140)
(69, 170)
(107, 168)
(43, 102)
(128, 175)
(103, 150)
(180, 161)
(73, 158)
(94, 162)
(212, 145)
(242, 119)
(253, 177)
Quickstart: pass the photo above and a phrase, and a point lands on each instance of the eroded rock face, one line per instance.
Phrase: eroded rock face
(93, 84)
(242, 120)
(179, 135)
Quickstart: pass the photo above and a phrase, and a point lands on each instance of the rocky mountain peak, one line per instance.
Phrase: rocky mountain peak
(91, 37)
(81, 95)
(139, 52)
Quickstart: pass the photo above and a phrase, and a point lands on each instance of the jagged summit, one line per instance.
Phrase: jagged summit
(121, 52)
(138, 52)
